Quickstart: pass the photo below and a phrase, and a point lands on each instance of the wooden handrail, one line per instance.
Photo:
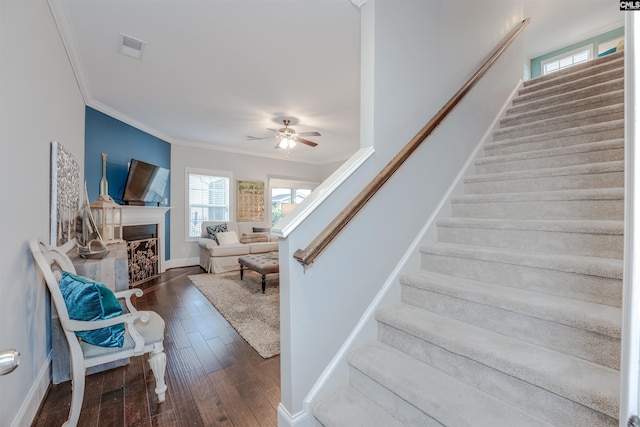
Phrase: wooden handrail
(310, 253)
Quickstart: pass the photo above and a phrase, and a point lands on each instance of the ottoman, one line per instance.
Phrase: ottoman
(264, 264)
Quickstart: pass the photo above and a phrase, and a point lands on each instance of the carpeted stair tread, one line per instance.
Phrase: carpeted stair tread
(603, 73)
(561, 171)
(562, 95)
(597, 65)
(575, 80)
(515, 116)
(434, 392)
(587, 278)
(569, 84)
(602, 238)
(504, 309)
(551, 153)
(585, 315)
(562, 226)
(587, 383)
(583, 204)
(593, 266)
(550, 196)
(349, 407)
(584, 134)
(558, 123)
(558, 98)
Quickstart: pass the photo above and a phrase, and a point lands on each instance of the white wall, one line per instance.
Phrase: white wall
(40, 102)
(422, 52)
(243, 167)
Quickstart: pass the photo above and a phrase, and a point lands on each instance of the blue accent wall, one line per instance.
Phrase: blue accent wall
(121, 143)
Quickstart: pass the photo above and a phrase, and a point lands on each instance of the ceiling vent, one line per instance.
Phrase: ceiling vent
(131, 46)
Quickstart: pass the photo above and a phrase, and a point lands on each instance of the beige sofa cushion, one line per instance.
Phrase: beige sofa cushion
(262, 247)
(228, 238)
(228, 250)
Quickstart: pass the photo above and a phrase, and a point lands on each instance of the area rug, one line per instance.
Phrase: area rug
(256, 316)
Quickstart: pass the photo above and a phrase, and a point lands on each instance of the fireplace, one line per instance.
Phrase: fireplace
(142, 252)
(143, 231)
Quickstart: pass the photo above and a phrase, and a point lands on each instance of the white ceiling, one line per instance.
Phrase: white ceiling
(559, 23)
(216, 71)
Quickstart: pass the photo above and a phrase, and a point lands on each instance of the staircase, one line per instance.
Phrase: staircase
(514, 317)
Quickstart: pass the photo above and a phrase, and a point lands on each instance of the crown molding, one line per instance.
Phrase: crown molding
(359, 3)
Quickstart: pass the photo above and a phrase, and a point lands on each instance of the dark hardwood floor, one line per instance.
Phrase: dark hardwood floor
(214, 377)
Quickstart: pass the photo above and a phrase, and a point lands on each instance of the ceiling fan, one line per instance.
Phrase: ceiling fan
(287, 137)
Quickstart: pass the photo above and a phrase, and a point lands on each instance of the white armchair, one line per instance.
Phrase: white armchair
(144, 330)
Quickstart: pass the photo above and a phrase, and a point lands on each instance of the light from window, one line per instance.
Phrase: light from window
(208, 200)
(566, 61)
(280, 195)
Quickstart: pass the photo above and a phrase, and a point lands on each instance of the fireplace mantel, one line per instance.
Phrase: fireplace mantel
(142, 215)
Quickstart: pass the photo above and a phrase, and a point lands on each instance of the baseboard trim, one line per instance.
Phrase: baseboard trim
(300, 419)
(31, 404)
(181, 262)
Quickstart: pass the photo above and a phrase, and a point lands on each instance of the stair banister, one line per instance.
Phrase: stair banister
(308, 255)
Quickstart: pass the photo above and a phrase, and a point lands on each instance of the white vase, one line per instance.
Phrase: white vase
(104, 185)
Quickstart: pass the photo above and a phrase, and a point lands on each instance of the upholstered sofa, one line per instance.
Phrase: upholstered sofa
(240, 239)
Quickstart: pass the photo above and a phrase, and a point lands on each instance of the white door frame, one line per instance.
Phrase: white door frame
(630, 357)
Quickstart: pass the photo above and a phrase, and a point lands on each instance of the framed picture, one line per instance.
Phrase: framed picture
(250, 201)
(65, 195)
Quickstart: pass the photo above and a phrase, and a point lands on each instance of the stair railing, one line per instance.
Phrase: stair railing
(307, 256)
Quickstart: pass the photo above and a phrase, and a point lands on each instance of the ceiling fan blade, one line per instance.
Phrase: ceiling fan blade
(308, 134)
(274, 130)
(253, 138)
(304, 141)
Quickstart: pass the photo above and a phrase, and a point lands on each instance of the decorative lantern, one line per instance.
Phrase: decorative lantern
(107, 215)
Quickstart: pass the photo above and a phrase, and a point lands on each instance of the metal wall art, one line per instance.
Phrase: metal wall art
(65, 196)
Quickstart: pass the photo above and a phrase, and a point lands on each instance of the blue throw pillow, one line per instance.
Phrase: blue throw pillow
(87, 299)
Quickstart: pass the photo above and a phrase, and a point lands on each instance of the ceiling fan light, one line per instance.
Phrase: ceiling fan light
(284, 143)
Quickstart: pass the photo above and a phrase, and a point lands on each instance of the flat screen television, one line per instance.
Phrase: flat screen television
(146, 183)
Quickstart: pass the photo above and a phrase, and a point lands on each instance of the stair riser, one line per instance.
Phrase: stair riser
(584, 287)
(514, 118)
(395, 405)
(564, 209)
(585, 244)
(549, 183)
(535, 400)
(552, 140)
(569, 159)
(552, 125)
(575, 82)
(587, 345)
(557, 96)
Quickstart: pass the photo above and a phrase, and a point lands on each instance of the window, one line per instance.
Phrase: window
(285, 194)
(566, 60)
(208, 199)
